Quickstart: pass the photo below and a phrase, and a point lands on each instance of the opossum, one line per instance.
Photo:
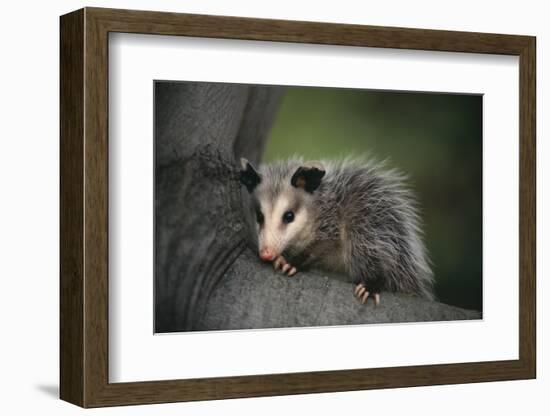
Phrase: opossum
(353, 217)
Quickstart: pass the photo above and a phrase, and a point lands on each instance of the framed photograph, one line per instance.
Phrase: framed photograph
(260, 207)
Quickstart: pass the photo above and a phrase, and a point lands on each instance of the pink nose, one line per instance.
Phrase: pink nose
(266, 254)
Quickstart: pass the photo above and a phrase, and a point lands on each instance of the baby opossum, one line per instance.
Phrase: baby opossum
(352, 217)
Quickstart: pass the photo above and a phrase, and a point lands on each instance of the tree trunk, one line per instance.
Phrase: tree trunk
(206, 276)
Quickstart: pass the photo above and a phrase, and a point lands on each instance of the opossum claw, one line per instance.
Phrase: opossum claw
(362, 293)
(279, 262)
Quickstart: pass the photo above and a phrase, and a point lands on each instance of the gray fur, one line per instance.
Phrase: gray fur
(362, 221)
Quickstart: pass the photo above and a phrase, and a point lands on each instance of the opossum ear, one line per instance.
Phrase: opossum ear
(308, 177)
(249, 177)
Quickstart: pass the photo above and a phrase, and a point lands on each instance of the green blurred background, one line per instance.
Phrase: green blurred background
(435, 138)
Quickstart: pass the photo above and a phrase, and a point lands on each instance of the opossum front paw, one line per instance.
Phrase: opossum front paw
(363, 293)
(281, 264)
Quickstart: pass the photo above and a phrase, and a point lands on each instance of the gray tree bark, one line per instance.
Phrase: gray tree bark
(206, 276)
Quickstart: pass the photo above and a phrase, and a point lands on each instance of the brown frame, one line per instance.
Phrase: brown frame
(84, 213)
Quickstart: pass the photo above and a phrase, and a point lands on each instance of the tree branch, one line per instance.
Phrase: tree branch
(253, 295)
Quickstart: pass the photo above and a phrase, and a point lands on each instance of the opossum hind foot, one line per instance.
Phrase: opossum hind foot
(363, 293)
(281, 264)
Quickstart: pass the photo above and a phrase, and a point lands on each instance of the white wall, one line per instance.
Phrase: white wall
(29, 205)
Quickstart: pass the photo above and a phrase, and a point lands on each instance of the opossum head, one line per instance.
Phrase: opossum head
(284, 205)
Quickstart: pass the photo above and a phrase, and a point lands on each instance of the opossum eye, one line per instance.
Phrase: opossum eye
(259, 217)
(288, 217)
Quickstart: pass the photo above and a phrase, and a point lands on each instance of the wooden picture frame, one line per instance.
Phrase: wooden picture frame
(84, 207)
